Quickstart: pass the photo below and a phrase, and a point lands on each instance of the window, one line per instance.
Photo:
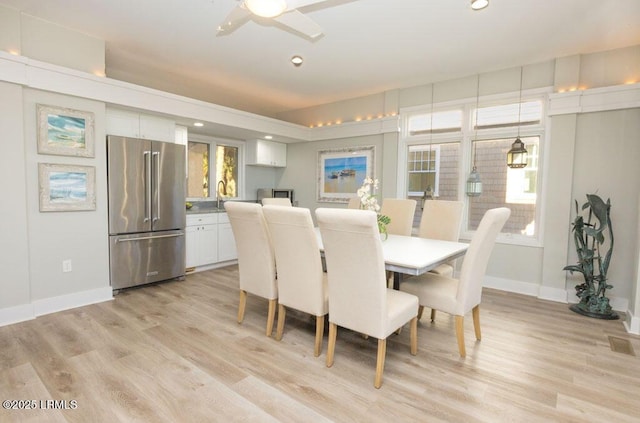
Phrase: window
(435, 166)
(438, 150)
(505, 187)
(213, 163)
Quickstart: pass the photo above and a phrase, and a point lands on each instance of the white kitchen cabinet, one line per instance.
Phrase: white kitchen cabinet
(201, 240)
(226, 242)
(266, 153)
(130, 124)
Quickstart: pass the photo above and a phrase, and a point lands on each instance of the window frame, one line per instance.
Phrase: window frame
(466, 137)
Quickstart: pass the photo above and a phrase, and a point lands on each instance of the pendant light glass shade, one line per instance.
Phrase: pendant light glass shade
(266, 8)
(474, 184)
(517, 156)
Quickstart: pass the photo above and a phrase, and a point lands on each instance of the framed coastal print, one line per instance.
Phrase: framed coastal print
(65, 132)
(341, 172)
(66, 187)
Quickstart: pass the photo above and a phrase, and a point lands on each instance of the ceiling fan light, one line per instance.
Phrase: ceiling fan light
(266, 8)
(479, 4)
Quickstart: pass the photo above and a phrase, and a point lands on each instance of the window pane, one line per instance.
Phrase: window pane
(446, 121)
(507, 114)
(505, 187)
(198, 179)
(227, 171)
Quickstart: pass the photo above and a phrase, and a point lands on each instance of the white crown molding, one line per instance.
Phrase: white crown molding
(45, 76)
(356, 129)
(595, 100)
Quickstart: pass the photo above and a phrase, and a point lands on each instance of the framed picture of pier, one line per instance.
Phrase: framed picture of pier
(65, 132)
(341, 172)
(66, 187)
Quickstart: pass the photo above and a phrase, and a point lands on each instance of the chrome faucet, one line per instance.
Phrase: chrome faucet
(224, 191)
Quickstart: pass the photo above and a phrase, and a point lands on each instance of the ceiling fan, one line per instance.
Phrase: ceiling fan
(285, 12)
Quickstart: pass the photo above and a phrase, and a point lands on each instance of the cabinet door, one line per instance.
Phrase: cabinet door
(191, 246)
(208, 244)
(226, 243)
(279, 154)
(157, 128)
(124, 124)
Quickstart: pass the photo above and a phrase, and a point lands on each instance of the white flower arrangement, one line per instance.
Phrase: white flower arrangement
(369, 201)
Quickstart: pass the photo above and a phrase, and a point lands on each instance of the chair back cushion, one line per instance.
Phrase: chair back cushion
(441, 220)
(298, 261)
(256, 259)
(276, 202)
(355, 269)
(476, 259)
(401, 212)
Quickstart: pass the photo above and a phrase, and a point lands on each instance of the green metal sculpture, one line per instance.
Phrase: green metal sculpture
(589, 240)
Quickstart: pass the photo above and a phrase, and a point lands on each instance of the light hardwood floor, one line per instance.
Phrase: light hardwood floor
(173, 352)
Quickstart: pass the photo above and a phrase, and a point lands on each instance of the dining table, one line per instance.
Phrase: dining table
(411, 255)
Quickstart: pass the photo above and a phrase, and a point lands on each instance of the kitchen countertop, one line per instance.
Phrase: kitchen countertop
(202, 207)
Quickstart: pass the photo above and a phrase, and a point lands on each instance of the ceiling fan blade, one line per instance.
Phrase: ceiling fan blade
(300, 23)
(234, 19)
(295, 4)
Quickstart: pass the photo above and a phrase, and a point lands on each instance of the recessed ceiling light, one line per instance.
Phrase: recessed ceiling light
(479, 4)
(198, 124)
(296, 60)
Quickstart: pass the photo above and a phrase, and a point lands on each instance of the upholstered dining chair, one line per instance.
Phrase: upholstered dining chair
(401, 212)
(276, 202)
(354, 203)
(441, 220)
(256, 260)
(459, 296)
(358, 295)
(302, 285)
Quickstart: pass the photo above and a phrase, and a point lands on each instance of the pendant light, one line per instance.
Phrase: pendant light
(474, 184)
(517, 156)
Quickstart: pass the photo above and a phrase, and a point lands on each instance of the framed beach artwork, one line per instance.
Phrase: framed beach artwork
(341, 172)
(66, 187)
(65, 132)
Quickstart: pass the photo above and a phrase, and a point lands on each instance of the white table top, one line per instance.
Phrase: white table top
(413, 255)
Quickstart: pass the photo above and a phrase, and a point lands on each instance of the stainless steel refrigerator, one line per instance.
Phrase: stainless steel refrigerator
(146, 182)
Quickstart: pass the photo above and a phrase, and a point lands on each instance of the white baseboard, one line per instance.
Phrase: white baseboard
(11, 315)
(77, 299)
(37, 308)
(510, 285)
(632, 323)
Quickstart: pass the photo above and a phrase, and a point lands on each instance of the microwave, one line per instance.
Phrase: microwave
(275, 193)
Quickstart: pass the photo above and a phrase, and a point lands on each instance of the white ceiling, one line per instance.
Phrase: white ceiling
(368, 46)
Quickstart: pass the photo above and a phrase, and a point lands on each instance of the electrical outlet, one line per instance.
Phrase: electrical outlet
(66, 266)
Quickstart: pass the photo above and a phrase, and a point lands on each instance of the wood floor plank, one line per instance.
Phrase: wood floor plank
(174, 352)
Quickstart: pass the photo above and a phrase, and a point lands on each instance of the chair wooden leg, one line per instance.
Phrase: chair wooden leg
(460, 335)
(420, 310)
(331, 347)
(319, 333)
(476, 321)
(382, 352)
(282, 313)
(433, 314)
(414, 336)
(271, 316)
(241, 305)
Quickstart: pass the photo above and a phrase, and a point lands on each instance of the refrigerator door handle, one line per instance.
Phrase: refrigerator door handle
(147, 186)
(156, 156)
(143, 238)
